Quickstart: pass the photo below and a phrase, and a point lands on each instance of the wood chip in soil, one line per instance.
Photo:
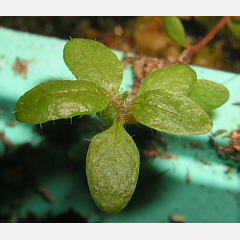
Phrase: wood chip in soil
(197, 145)
(20, 67)
(11, 123)
(5, 140)
(44, 193)
(235, 139)
(236, 104)
(142, 66)
(188, 177)
(205, 162)
(222, 150)
(152, 150)
(219, 132)
(228, 170)
(176, 219)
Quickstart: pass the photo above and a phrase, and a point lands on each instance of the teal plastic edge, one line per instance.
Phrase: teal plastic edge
(212, 195)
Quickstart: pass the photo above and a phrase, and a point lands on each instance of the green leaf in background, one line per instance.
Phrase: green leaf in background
(172, 113)
(175, 30)
(234, 26)
(60, 99)
(177, 78)
(92, 61)
(112, 168)
(209, 95)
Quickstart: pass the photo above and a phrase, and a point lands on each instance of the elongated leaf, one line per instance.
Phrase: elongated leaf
(209, 95)
(175, 30)
(59, 99)
(177, 78)
(112, 168)
(92, 61)
(172, 113)
(234, 26)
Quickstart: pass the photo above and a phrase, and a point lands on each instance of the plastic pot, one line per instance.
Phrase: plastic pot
(43, 173)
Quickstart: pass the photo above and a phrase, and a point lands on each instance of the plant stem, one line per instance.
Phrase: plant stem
(191, 50)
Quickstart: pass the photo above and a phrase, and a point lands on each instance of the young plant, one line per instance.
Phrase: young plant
(170, 99)
(175, 31)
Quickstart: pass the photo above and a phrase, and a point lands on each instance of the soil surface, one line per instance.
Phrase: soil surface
(140, 35)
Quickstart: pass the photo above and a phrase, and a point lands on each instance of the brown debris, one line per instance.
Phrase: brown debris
(222, 150)
(185, 18)
(118, 31)
(235, 139)
(227, 136)
(20, 67)
(176, 219)
(205, 162)
(232, 148)
(11, 123)
(202, 160)
(237, 103)
(228, 170)
(127, 60)
(197, 145)
(161, 140)
(188, 177)
(235, 158)
(5, 140)
(44, 193)
(142, 66)
(152, 150)
(219, 132)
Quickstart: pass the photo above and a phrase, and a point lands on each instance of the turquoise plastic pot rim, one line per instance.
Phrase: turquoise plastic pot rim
(211, 196)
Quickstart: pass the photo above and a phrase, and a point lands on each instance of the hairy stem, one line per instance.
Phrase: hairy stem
(191, 50)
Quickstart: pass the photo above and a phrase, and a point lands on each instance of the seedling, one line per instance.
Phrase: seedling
(175, 31)
(170, 99)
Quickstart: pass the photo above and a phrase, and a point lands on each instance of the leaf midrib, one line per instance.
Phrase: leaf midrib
(163, 109)
(72, 90)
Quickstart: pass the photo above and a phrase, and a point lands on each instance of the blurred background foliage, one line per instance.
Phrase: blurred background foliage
(140, 35)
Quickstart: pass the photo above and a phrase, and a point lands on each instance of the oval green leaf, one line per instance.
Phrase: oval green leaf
(209, 95)
(92, 61)
(234, 26)
(172, 113)
(175, 30)
(112, 168)
(177, 78)
(60, 99)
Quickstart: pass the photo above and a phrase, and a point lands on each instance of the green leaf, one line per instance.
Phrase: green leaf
(60, 99)
(175, 30)
(92, 61)
(177, 78)
(172, 113)
(209, 95)
(112, 168)
(108, 114)
(234, 26)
